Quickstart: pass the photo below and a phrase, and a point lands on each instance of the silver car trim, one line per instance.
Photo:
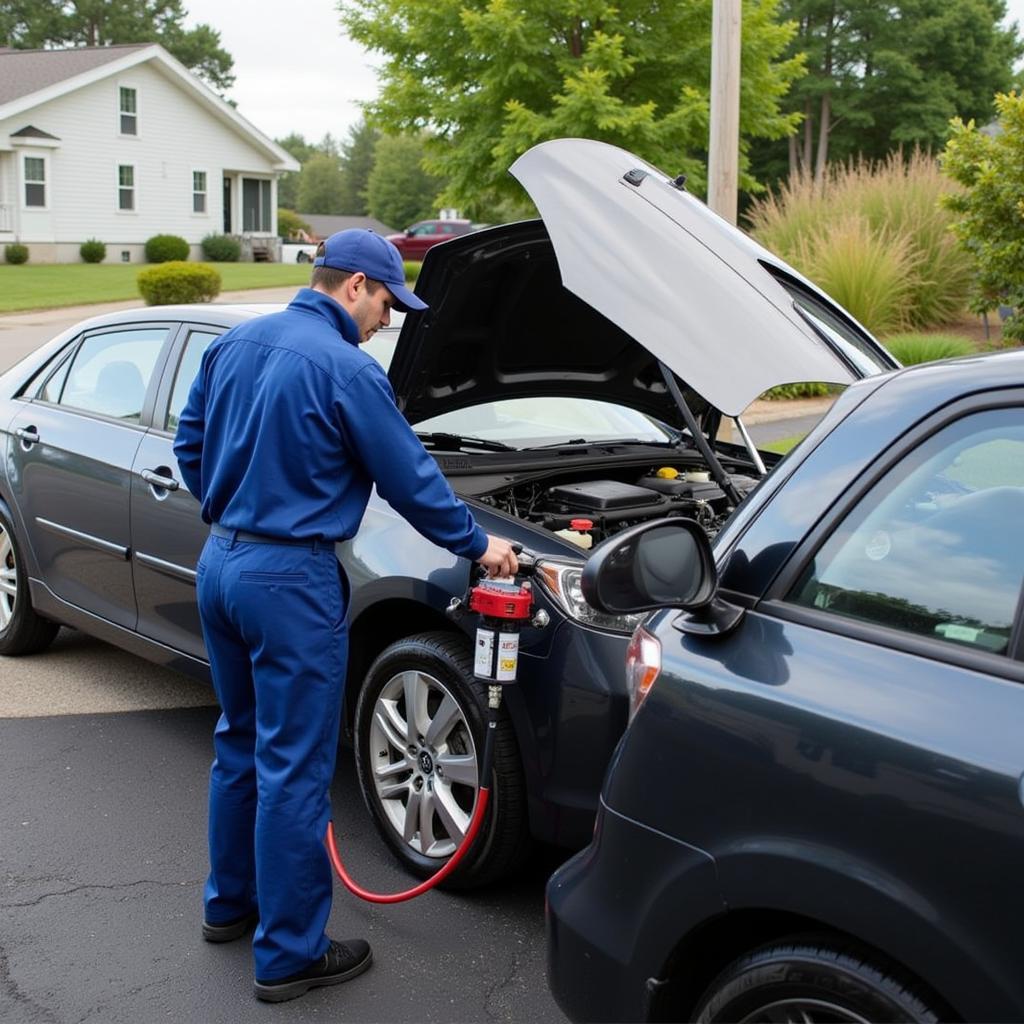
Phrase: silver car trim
(170, 568)
(88, 538)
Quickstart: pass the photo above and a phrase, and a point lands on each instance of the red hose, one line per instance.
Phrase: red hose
(483, 796)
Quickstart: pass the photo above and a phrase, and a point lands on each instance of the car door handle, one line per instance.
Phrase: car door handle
(28, 434)
(166, 483)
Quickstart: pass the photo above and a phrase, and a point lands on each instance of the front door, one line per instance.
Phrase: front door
(167, 532)
(227, 205)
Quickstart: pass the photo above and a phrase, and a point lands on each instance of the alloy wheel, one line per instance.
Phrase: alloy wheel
(803, 1011)
(423, 762)
(8, 579)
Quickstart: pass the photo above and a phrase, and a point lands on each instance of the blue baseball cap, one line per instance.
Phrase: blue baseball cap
(360, 249)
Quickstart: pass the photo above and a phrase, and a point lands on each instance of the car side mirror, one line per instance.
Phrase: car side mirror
(664, 564)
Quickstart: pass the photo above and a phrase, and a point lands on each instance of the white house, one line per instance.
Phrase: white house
(120, 143)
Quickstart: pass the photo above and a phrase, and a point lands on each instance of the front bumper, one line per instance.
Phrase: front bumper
(615, 913)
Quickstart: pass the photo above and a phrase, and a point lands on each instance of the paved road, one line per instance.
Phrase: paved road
(102, 856)
(21, 333)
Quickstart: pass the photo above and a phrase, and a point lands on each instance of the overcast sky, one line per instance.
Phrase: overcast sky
(295, 71)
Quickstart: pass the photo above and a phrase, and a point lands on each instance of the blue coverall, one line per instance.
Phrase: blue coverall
(287, 426)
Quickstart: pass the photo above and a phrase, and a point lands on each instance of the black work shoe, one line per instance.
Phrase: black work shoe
(343, 960)
(230, 931)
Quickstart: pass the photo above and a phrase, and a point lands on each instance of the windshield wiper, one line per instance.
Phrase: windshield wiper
(611, 442)
(456, 442)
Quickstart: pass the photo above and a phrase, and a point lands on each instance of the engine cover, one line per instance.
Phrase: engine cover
(603, 496)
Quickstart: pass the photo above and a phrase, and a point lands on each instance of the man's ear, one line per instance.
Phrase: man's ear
(355, 284)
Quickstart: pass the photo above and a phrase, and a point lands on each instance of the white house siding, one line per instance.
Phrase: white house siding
(176, 136)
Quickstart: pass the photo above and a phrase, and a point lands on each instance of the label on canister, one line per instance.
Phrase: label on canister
(508, 657)
(484, 656)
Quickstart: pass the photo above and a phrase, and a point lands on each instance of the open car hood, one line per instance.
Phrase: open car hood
(625, 270)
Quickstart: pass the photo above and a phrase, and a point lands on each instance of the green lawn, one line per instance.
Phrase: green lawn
(47, 286)
(783, 445)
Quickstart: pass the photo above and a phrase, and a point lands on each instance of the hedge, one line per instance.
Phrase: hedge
(16, 253)
(221, 248)
(164, 248)
(178, 282)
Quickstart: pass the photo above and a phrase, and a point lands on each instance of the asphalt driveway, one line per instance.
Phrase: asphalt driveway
(102, 857)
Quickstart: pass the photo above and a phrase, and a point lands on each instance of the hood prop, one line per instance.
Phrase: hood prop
(719, 474)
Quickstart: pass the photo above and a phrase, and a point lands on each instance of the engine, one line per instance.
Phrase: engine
(589, 511)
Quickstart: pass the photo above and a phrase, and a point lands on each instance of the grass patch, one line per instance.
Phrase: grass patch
(911, 349)
(51, 285)
(783, 445)
(871, 226)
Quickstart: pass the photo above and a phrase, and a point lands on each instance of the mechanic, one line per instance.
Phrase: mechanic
(287, 427)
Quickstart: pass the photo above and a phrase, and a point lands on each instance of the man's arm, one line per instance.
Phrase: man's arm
(405, 474)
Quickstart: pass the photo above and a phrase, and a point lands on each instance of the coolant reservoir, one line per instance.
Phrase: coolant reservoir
(577, 533)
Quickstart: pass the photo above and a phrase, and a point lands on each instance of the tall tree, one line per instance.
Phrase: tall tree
(491, 78)
(288, 184)
(57, 23)
(882, 75)
(320, 185)
(357, 159)
(399, 190)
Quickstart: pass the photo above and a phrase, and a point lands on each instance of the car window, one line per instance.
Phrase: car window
(423, 229)
(934, 547)
(56, 368)
(110, 372)
(188, 367)
(529, 422)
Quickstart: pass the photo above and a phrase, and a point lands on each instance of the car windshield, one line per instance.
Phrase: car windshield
(533, 422)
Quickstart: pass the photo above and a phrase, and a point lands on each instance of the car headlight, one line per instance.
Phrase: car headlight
(562, 581)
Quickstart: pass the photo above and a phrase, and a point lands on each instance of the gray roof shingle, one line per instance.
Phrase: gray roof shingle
(23, 72)
(324, 224)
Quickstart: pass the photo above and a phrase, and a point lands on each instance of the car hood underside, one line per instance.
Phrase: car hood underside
(624, 274)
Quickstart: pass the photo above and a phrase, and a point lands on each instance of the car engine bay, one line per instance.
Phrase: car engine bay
(585, 510)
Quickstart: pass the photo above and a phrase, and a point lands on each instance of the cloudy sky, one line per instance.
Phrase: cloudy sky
(295, 71)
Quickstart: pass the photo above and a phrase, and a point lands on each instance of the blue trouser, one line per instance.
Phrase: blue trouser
(274, 623)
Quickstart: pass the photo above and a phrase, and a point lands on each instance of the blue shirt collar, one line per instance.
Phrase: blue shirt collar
(308, 300)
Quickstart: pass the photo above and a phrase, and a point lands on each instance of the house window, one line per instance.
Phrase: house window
(35, 181)
(129, 111)
(255, 204)
(199, 191)
(125, 187)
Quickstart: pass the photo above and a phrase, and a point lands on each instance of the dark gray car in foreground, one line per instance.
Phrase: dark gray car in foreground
(571, 370)
(816, 813)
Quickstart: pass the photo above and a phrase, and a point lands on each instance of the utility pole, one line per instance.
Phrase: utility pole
(724, 143)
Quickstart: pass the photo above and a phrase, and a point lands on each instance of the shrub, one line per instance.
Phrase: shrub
(178, 282)
(911, 349)
(900, 197)
(870, 273)
(93, 251)
(412, 270)
(16, 253)
(988, 213)
(805, 389)
(221, 248)
(289, 224)
(163, 248)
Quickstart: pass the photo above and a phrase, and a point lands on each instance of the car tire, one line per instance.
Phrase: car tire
(437, 669)
(812, 981)
(22, 631)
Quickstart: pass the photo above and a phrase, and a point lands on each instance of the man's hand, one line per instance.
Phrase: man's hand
(499, 559)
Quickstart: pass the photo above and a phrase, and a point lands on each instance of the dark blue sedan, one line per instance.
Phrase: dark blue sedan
(816, 811)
